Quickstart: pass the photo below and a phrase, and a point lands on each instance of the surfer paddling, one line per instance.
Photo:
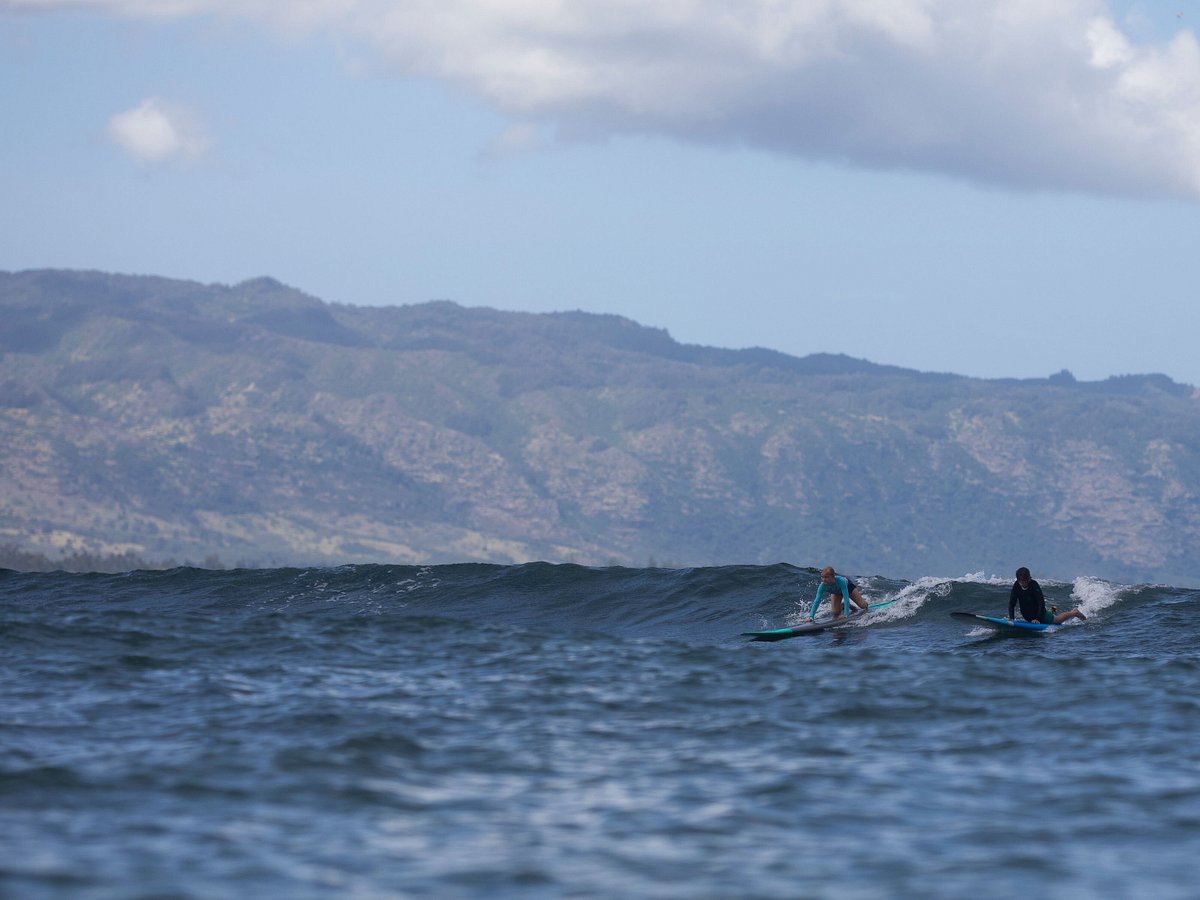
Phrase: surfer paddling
(841, 590)
(1028, 593)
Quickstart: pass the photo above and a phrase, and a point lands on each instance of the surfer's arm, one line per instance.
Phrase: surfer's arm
(812, 613)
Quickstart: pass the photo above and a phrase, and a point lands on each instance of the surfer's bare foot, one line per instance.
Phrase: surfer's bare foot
(1078, 612)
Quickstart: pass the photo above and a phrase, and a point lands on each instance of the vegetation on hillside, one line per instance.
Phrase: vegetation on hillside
(157, 419)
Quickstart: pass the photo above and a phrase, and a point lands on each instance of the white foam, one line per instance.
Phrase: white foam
(1092, 594)
(910, 599)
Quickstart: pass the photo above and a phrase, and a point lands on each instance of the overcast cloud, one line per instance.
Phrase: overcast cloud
(1025, 93)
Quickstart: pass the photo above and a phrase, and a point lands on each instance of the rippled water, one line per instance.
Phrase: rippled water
(549, 731)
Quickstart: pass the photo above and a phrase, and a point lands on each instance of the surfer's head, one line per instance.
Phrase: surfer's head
(1023, 575)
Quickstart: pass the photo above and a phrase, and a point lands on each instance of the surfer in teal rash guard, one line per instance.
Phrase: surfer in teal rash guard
(841, 590)
(1028, 593)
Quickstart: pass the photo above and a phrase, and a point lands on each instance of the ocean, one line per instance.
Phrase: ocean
(545, 731)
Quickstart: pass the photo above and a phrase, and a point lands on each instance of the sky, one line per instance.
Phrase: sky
(990, 189)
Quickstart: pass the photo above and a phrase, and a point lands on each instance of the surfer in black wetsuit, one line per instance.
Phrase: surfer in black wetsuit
(1028, 593)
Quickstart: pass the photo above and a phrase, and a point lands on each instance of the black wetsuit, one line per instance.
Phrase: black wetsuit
(1032, 600)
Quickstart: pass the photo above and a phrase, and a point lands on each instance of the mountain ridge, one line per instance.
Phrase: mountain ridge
(171, 419)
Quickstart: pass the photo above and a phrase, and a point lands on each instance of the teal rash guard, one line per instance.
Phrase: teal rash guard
(845, 585)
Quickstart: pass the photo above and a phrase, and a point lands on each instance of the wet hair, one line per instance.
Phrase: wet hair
(1023, 574)
(828, 570)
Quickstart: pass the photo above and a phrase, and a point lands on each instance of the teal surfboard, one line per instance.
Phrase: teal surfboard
(778, 634)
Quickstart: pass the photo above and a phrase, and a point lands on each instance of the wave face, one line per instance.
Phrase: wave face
(553, 730)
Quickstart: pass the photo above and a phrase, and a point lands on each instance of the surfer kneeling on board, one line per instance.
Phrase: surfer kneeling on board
(1028, 593)
(841, 589)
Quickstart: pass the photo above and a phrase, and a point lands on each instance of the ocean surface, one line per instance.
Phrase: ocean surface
(561, 731)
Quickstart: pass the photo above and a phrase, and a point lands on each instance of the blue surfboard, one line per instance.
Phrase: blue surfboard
(1003, 626)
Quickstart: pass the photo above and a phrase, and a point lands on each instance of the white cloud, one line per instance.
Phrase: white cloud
(1025, 93)
(156, 131)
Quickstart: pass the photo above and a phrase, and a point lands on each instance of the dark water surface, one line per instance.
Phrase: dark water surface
(559, 731)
